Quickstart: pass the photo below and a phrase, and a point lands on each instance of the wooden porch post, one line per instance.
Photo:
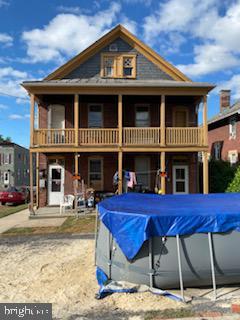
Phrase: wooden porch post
(120, 142)
(163, 169)
(120, 175)
(76, 118)
(120, 129)
(32, 102)
(75, 182)
(37, 179)
(31, 209)
(205, 125)
(162, 120)
(205, 173)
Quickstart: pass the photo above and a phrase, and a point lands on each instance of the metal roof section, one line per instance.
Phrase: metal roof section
(117, 83)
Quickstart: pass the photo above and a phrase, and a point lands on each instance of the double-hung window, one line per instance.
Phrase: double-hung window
(142, 116)
(109, 66)
(95, 116)
(96, 173)
(217, 150)
(232, 129)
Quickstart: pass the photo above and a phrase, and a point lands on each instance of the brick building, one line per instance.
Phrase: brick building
(224, 130)
(117, 106)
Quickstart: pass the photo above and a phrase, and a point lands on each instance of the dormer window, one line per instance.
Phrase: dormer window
(108, 67)
(116, 65)
(128, 66)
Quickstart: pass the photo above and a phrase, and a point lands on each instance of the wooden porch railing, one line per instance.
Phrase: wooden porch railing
(132, 136)
(98, 136)
(141, 136)
(46, 137)
(191, 136)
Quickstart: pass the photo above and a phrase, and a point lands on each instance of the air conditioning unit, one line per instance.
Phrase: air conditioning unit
(113, 47)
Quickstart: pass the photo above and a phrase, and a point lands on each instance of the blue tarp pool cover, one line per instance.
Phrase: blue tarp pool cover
(133, 218)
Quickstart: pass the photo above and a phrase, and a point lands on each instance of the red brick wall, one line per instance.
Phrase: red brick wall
(69, 115)
(222, 134)
(43, 116)
(110, 164)
(110, 112)
(42, 191)
(69, 171)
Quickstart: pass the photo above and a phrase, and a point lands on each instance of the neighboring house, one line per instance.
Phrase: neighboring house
(14, 165)
(117, 105)
(224, 130)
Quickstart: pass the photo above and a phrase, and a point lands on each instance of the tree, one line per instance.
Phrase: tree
(7, 139)
(234, 185)
(221, 174)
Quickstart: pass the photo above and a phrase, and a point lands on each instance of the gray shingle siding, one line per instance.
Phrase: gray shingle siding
(145, 68)
(18, 168)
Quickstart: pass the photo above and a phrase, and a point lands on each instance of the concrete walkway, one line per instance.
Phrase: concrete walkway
(21, 220)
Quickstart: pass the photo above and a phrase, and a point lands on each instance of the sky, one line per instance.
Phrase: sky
(200, 37)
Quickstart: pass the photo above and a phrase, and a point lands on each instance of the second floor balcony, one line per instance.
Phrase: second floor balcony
(131, 136)
(119, 121)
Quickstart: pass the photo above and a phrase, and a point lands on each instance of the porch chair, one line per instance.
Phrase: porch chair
(67, 203)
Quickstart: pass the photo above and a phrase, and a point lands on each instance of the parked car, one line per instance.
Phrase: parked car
(13, 195)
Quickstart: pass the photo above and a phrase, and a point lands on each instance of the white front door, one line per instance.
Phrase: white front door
(55, 184)
(180, 179)
(142, 168)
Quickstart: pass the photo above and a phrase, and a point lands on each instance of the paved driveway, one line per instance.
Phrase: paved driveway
(20, 219)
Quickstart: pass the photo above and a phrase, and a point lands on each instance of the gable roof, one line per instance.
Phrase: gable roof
(118, 31)
(228, 112)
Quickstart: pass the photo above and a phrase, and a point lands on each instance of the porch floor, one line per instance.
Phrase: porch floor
(54, 212)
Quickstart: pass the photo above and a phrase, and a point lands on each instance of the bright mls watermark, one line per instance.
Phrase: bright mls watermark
(26, 311)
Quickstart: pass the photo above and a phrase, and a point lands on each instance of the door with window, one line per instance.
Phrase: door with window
(180, 117)
(6, 179)
(95, 173)
(55, 184)
(142, 168)
(180, 179)
(56, 120)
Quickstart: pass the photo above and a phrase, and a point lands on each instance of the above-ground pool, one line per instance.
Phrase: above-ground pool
(170, 241)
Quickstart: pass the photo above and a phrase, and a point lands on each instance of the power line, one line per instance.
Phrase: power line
(12, 96)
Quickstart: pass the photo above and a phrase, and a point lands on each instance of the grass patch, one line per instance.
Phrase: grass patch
(169, 313)
(7, 210)
(70, 225)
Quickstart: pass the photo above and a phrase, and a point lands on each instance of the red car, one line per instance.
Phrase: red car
(13, 195)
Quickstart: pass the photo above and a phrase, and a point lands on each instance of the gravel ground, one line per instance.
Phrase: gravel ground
(61, 271)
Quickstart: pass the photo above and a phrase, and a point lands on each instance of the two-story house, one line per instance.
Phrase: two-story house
(117, 106)
(224, 130)
(14, 165)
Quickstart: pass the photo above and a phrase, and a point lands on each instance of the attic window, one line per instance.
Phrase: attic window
(128, 66)
(108, 66)
(117, 65)
(113, 47)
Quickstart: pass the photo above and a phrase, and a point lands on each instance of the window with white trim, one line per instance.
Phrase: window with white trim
(6, 178)
(233, 157)
(233, 129)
